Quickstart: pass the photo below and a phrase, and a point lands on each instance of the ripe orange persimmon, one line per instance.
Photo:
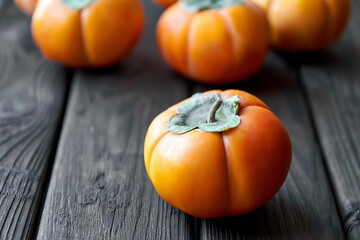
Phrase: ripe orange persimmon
(165, 3)
(27, 6)
(87, 33)
(305, 25)
(217, 154)
(214, 43)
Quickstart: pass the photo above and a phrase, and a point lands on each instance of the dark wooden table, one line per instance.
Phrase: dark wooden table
(71, 143)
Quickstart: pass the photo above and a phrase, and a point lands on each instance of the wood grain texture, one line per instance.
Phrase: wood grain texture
(100, 188)
(3, 3)
(32, 97)
(304, 208)
(332, 83)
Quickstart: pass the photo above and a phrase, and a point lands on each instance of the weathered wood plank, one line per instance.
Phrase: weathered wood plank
(304, 208)
(3, 3)
(100, 189)
(332, 82)
(32, 97)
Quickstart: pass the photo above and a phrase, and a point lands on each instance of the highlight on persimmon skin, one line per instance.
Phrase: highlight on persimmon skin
(97, 35)
(27, 6)
(305, 25)
(214, 46)
(216, 174)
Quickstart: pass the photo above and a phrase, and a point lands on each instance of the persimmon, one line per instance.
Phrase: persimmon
(165, 3)
(305, 25)
(87, 33)
(27, 6)
(214, 41)
(217, 154)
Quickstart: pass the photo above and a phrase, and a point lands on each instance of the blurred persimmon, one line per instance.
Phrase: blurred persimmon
(87, 33)
(27, 6)
(214, 41)
(165, 3)
(305, 25)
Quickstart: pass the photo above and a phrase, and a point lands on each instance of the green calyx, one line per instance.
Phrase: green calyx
(200, 5)
(77, 4)
(206, 112)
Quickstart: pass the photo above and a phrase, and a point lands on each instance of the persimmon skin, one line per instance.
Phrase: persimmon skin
(27, 6)
(165, 3)
(211, 174)
(98, 35)
(305, 25)
(214, 46)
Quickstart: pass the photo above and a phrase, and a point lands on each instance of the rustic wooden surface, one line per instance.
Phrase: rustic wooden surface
(304, 208)
(332, 83)
(32, 97)
(98, 186)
